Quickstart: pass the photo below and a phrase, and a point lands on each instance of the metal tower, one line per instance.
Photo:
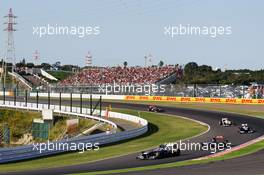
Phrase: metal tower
(88, 60)
(36, 57)
(10, 48)
(148, 59)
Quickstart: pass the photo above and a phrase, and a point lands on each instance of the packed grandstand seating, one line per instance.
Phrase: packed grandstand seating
(122, 75)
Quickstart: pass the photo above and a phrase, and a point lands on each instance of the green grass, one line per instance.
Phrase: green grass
(163, 128)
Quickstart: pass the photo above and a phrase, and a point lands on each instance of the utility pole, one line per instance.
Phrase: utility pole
(88, 60)
(10, 47)
(148, 59)
(36, 57)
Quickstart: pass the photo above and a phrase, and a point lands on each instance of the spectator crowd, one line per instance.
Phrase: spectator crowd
(256, 91)
(122, 75)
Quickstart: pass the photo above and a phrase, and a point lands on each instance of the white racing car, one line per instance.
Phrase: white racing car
(225, 122)
(245, 129)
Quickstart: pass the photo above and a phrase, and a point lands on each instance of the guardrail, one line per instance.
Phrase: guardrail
(131, 118)
(33, 151)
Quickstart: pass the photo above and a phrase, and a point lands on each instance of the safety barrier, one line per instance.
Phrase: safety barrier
(33, 151)
(131, 118)
(195, 99)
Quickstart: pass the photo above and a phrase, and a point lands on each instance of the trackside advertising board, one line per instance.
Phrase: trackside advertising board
(159, 98)
(195, 99)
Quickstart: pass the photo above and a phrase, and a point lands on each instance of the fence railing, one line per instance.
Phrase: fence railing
(182, 90)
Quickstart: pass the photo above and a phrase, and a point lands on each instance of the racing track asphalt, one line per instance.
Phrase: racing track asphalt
(210, 117)
(246, 165)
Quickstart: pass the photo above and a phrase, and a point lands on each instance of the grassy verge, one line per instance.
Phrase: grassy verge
(163, 128)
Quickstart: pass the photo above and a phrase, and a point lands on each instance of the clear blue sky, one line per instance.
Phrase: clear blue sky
(131, 29)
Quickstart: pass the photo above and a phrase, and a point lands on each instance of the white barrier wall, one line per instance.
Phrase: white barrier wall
(128, 117)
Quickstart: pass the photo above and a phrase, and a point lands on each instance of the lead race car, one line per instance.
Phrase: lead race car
(163, 151)
(153, 108)
(217, 140)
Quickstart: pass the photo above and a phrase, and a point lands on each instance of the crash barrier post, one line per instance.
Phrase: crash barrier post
(81, 103)
(26, 97)
(60, 101)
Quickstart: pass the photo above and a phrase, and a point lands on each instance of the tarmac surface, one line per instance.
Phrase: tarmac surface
(209, 117)
(247, 165)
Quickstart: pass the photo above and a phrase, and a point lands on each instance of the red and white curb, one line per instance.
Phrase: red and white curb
(236, 148)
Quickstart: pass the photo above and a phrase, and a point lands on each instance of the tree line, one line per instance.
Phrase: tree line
(204, 74)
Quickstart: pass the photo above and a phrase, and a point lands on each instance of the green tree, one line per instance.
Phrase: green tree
(190, 68)
(161, 63)
(45, 66)
(30, 65)
(125, 63)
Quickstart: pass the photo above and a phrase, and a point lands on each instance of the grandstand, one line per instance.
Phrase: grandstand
(123, 75)
(33, 77)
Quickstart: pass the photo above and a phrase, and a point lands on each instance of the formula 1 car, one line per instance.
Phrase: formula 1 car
(216, 141)
(163, 151)
(153, 108)
(245, 129)
(225, 122)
